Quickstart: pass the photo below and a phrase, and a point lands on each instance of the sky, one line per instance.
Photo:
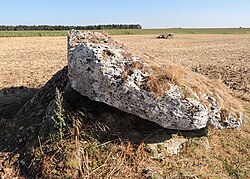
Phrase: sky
(148, 13)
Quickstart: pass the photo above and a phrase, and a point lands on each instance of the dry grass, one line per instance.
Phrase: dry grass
(84, 159)
(194, 86)
(225, 156)
(30, 62)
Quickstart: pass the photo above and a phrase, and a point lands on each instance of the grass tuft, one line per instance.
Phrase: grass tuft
(59, 114)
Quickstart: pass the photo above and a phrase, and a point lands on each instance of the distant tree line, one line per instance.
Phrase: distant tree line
(62, 27)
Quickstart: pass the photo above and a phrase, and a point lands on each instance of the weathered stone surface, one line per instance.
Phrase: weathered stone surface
(166, 148)
(175, 98)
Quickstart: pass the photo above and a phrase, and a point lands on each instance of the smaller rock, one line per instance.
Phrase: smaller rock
(20, 128)
(174, 145)
(22, 162)
(166, 148)
(151, 173)
(165, 36)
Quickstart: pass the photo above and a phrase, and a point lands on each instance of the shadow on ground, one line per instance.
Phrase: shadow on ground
(12, 99)
(28, 119)
(116, 124)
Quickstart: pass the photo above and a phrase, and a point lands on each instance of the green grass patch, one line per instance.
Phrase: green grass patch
(32, 33)
(176, 31)
(131, 32)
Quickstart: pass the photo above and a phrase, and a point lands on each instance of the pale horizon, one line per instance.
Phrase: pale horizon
(149, 14)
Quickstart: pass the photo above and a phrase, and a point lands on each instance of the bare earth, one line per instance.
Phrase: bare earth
(31, 61)
(223, 57)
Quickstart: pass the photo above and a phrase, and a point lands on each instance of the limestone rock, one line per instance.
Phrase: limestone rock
(170, 96)
(166, 148)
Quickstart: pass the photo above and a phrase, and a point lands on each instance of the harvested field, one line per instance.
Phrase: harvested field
(31, 61)
(223, 57)
(27, 63)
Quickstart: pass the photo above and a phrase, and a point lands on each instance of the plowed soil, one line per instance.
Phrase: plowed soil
(31, 61)
(222, 57)
(27, 63)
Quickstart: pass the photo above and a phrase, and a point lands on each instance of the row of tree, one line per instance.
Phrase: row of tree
(62, 27)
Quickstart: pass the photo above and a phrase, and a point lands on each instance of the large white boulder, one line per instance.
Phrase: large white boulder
(170, 96)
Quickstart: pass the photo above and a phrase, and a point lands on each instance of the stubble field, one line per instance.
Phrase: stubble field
(29, 62)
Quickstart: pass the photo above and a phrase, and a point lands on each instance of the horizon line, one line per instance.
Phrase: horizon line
(179, 27)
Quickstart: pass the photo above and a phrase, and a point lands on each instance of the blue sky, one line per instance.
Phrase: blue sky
(148, 13)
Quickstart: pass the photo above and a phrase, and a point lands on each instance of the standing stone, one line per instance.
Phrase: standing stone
(170, 96)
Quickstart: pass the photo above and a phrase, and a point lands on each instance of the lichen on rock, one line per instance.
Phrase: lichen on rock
(177, 98)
